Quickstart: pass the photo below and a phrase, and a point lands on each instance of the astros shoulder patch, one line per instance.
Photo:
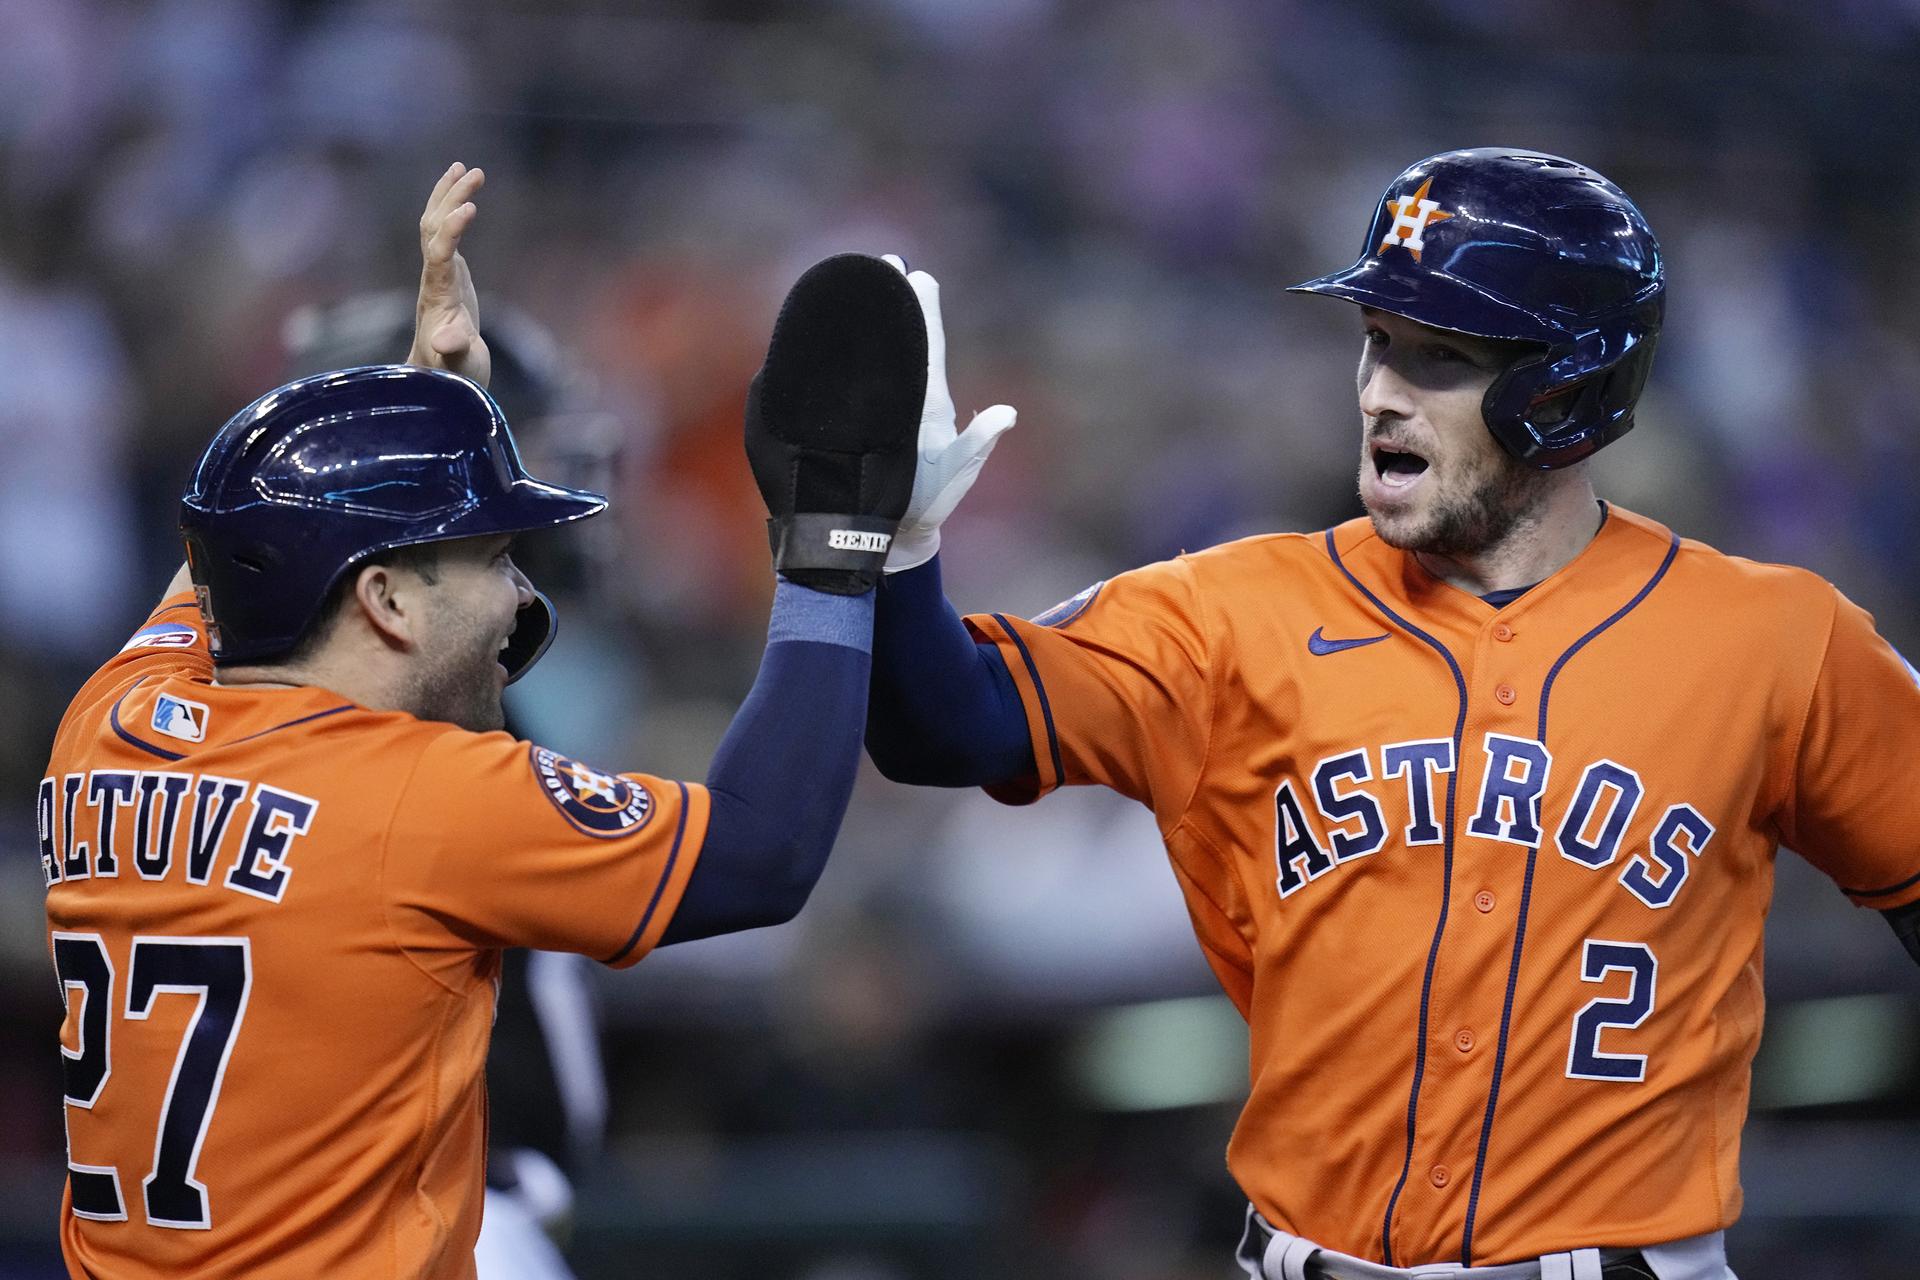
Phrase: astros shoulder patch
(597, 803)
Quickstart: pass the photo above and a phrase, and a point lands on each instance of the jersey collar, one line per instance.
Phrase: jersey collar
(1627, 549)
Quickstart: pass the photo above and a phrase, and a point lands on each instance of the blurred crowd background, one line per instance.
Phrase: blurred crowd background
(989, 1048)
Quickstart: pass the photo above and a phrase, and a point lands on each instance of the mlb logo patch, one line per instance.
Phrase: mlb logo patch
(164, 635)
(179, 718)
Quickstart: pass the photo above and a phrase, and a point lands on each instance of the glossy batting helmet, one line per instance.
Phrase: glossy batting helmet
(559, 419)
(1525, 247)
(312, 480)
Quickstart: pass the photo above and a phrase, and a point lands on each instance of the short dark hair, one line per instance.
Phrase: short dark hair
(420, 558)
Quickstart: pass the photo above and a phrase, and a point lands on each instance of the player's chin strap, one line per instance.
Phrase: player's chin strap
(533, 630)
(1268, 1253)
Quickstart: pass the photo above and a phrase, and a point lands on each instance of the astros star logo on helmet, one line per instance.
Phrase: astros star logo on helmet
(1411, 217)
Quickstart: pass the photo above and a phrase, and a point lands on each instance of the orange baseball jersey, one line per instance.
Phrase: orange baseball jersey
(1487, 883)
(276, 920)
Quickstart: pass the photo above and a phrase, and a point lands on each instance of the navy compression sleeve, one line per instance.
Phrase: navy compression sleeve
(944, 710)
(782, 775)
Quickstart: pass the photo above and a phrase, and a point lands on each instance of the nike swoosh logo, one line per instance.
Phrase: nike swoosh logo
(1320, 646)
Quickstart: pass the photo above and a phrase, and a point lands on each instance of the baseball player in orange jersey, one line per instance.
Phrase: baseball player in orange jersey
(546, 1084)
(284, 846)
(1474, 802)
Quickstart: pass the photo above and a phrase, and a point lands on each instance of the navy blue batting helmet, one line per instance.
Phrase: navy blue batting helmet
(315, 478)
(1532, 248)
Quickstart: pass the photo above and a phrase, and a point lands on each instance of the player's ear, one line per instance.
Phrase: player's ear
(390, 603)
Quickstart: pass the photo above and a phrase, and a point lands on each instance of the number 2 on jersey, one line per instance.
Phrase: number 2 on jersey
(1584, 1059)
(219, 973)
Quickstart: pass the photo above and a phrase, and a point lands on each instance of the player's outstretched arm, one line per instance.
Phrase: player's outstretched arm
(832, 422)
(943, 710)
(780, 781)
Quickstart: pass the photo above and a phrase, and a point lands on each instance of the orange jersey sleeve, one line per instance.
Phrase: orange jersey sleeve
(1851, 809)
(1115, 685)
(1119, 684)
(501, 843)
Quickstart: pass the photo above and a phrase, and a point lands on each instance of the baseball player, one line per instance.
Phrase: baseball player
(284, 846)
(1474, 802)
(546, 1085)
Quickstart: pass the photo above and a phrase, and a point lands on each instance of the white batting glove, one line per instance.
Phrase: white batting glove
(949, 459)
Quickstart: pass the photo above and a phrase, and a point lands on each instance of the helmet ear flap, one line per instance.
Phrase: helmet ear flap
(1558, 407)
(1551, 422)
(1508, 405)
(533, 631)
(1621, 388)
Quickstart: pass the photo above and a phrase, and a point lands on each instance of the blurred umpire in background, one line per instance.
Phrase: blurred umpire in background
(546, 1083)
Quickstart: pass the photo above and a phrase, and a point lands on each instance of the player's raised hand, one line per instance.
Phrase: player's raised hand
(949, 459)
(446, 327)
(832, 419)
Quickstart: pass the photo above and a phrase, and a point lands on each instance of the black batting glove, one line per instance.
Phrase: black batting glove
(833, 421)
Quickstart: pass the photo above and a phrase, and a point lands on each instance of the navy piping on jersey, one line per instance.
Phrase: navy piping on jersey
(1046, 708)
(666, 874)
(184, 604)
(1908, 883)
(330, 711)
(1526, 898)
(113, 718)
(1446, 891)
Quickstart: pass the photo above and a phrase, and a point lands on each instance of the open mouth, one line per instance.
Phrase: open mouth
(1397, 468)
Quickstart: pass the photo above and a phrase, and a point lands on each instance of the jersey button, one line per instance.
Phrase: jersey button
(1505, 693)
(1463, 1040)
(1484, 900)
(1502, 632)
(1439, 1176)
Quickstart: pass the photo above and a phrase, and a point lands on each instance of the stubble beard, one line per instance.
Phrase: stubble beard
(462, 695)
(459, 687)
(1501, 504)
